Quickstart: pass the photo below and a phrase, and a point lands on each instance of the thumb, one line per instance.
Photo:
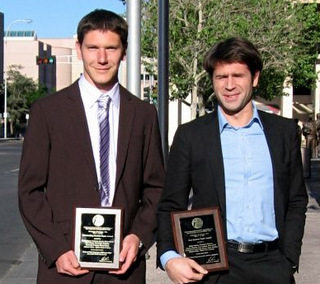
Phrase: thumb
(198, 268)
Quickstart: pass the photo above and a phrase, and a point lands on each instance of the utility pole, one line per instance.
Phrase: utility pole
(134, 49)
(163, 73)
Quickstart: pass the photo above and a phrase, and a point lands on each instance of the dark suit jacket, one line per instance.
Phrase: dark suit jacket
(57, 173)
(196, 162)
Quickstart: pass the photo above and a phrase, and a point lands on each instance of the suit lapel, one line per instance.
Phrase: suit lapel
(126, 119)
(213, 150)
(78, 121)
(274, 143)
(271, 134)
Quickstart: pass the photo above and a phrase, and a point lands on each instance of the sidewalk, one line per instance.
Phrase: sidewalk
(9, 139)
(24, 271)
(309, 270)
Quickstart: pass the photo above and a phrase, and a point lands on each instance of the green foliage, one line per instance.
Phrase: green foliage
(149, 35)
(21, 92)
(285, 33)
(307, 47)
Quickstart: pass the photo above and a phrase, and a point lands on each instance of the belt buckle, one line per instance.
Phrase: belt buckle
(245, 248)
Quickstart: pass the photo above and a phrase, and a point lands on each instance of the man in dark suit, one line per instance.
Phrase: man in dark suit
(248, 164)
(61, 162)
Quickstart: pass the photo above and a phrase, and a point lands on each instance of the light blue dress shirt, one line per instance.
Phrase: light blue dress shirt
(248, 181)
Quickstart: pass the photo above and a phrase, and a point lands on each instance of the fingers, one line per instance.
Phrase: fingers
(184, 270)
(68, 264)
(128, 254)
(198, 268)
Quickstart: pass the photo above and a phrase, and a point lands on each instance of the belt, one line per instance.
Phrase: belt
(253, 247)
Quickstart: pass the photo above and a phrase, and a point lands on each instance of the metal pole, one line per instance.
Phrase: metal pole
(5, 114)
(5, 105)
(133, 51)
(163, 73)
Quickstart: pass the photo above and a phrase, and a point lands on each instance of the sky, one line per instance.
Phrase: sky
(54, 18)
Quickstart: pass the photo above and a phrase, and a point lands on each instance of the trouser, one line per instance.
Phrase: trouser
(135, 275)
(101, 278)
(257, 268)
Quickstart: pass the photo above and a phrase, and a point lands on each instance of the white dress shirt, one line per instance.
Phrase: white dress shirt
(90, 95)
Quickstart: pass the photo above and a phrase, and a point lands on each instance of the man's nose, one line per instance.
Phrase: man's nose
(102, 56)
(230, 83)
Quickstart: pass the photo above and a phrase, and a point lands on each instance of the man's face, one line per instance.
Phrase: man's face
(101, 53)
(233, 85)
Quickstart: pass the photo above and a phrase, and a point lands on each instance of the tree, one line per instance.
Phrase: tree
(22, 91)
(303, 69)
(285, 33)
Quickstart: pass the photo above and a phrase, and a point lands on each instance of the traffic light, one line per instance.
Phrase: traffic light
(51, 60)
(146, 94)
(46, 60)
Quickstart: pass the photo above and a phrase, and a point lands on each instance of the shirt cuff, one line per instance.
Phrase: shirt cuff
(164, 258)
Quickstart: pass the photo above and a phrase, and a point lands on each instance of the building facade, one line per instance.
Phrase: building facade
(25, 49)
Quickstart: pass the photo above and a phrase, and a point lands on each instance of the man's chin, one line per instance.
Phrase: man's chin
(105, 85)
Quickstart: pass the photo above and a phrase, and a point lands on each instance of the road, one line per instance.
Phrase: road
(14, 239)
(18, 258)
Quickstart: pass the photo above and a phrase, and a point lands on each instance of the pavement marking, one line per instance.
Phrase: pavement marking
(10, 261)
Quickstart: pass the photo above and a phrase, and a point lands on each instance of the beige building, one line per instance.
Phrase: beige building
(1, 47)
(23, 48)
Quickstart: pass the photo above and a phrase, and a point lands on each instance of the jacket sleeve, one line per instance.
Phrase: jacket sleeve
(295, 205)
(176, 190)
(33, 204)
(144, 224)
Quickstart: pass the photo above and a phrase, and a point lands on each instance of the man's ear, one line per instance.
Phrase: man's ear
(255, 80)
(78, 49)
(124, 56)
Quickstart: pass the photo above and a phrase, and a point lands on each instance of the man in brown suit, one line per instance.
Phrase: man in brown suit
(60, 164)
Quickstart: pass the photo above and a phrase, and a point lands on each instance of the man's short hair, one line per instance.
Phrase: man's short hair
(233, 50)
(103, 20)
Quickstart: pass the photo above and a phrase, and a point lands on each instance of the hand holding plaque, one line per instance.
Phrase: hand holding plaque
(198, 235)
(97, 237)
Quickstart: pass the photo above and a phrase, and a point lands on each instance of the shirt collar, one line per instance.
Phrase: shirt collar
(223, 123)
(90, 94)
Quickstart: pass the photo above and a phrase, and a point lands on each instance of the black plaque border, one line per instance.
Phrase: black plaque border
(178, 239)
(118, 213)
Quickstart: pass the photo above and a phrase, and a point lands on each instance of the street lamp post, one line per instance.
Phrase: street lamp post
(5, 114)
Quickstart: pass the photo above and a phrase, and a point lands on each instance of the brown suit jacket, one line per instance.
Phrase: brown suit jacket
(57, 174)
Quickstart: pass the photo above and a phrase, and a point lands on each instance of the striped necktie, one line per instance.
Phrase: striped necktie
(103, 118)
